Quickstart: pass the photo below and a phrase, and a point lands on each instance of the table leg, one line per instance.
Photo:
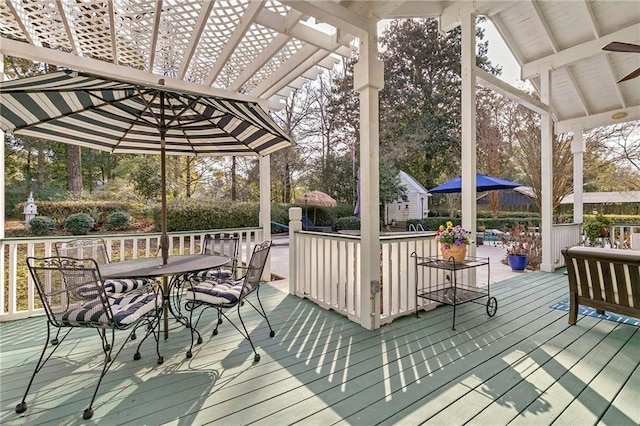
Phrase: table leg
(165, 306)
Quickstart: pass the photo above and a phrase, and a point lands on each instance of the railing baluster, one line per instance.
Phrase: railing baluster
(17, 296)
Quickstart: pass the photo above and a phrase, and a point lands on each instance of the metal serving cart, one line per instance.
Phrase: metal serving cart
(449, 288)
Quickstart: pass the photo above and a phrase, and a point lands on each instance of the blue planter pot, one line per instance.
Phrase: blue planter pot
(517, 263)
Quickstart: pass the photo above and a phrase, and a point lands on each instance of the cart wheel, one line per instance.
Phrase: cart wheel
(492, 306)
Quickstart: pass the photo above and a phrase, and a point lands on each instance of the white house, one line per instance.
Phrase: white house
(415, 205)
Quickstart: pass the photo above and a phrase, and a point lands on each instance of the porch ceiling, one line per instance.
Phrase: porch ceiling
(264, 50)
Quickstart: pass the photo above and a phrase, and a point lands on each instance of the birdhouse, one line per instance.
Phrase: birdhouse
(30, 211)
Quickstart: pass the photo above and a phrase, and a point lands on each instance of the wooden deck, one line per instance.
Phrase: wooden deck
(524, 366)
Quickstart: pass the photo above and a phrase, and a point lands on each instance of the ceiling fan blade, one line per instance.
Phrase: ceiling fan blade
(616, 46)
(631, 75)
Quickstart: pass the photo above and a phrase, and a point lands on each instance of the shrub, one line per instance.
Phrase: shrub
(348, 223)
(79, 223)
(42, 225)
(596, 228)
(119, 220)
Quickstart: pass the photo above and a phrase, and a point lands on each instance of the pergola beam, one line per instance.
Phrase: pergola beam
(576, 53)
(331, 13)
(453, 14)
(247, 20)
(198, 28)
(107, 69)
(154, 35)
(596, 120)
(508, 91)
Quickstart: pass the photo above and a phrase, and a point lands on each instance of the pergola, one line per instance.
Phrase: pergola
(262, 51)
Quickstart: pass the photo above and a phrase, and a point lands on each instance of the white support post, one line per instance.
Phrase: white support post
(367, 81)
(2, 201)
(295, 225)
(468, 149)
(546, 161)
(265, 207)
(2, 182)
(577, 149)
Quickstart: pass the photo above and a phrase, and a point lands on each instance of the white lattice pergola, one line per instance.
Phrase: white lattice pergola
(265, 49)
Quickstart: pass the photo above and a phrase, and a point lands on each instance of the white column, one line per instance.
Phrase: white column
(295, 224)
(546, 161)
(265, 206)
(2, 182)
(468, 118)
(367, 81)
(577, 149)
(2, 201)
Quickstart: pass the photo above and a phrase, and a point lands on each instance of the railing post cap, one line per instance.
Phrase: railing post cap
(295, 213)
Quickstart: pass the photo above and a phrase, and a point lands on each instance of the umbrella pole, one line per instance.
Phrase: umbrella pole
(164, 239)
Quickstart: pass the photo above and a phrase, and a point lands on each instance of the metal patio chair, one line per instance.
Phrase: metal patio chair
(96, 248)
(227, 294)
(225, 244)
(73, 296)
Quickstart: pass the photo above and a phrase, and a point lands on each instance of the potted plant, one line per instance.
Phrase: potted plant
(453, 241)
(596, 229)
(523, 245)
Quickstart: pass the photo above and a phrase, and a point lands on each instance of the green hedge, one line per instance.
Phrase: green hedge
(188, 215)
(98, 210)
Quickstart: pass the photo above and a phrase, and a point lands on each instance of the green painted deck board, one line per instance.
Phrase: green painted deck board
(322, 369)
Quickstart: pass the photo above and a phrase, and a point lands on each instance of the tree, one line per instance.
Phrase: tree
(146, 177)
(525, 125)
(287, 161)
(420, 103)
(492, 159)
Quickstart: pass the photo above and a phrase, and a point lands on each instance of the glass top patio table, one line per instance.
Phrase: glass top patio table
(149, 267)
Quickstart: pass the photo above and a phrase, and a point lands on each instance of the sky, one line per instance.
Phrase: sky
(499, 54)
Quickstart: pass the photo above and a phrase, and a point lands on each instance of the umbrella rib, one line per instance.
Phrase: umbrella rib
(210, 120)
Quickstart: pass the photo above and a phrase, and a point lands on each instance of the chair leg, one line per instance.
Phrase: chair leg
(215, 330)
(103, 339)
(264, 314)
(193, 327)
(22, 406)
(256, 356)
(151, 326)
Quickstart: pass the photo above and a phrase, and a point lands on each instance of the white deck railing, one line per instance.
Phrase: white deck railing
(620, 234)
(564, 235)
(328, 267)
(18, 297)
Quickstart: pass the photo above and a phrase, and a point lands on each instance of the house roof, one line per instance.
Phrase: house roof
(605, 197)
(265, 49)
(409, 180)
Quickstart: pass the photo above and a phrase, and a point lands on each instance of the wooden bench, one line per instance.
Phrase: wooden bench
(605, 279)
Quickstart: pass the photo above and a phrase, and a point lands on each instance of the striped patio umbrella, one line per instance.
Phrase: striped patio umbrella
(124, 117)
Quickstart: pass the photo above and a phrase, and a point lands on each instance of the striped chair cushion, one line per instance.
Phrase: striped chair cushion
(215, 293)
(126, 310)
(209, 274)
(126, 284)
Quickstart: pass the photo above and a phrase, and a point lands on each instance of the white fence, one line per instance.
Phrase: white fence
(328, 267)
(564, 235)
(620, 234)
(18, 297)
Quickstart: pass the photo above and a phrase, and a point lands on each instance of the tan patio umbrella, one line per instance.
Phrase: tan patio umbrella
(316, 199)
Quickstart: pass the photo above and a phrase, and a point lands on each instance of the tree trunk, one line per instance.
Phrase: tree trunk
(234, 193)
(40, 170)
(189, 178)
(74, 169)
(287, 183)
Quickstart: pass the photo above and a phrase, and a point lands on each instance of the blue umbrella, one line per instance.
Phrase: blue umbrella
(483, 183)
